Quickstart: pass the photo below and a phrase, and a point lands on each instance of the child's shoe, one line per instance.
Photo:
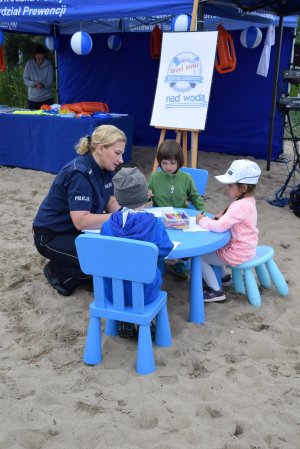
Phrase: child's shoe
(178, 269)
(227, 280)
(127, 330)
(211, 295)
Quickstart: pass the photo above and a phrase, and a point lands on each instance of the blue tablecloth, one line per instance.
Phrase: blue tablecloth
(47, 142)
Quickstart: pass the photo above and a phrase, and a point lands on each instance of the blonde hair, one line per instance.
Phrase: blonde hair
(106, 135)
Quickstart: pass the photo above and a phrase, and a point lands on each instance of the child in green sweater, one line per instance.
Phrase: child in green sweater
(172, 187)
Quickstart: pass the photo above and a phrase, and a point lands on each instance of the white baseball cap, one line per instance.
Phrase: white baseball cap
(241, 171)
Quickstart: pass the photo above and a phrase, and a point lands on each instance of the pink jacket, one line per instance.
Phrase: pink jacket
(241, 219)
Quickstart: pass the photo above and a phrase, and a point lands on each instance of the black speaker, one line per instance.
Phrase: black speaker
(296, 61)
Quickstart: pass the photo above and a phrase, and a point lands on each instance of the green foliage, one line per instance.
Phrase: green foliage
(18, 49)
(13, 92)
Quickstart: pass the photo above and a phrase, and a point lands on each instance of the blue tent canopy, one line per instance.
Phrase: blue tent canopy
(39, 16)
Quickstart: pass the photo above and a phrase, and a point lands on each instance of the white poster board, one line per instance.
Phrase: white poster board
(184, 80)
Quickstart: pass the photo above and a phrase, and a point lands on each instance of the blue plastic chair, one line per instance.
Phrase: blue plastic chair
(200, 177)
(123, 259)
(266, 270)
(244, 280)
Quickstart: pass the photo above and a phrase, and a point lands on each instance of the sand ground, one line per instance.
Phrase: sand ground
(231, 383)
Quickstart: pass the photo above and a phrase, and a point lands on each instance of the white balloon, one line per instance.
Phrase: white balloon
(81, 43)
(251, 37)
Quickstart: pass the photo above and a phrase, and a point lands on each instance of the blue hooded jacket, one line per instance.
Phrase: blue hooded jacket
(139, 225)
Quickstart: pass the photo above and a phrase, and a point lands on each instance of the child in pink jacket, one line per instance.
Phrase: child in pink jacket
(241, 218)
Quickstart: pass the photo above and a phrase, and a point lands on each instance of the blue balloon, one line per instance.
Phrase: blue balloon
(114, 42)
(251, 37)
(52, 43)
(81, 43)
(181, 23)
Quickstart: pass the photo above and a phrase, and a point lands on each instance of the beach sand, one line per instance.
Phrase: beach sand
(231, 383)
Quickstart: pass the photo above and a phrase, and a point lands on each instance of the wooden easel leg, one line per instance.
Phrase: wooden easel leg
(194, 149)
(161, 139)
(184, 147)
(178, 136)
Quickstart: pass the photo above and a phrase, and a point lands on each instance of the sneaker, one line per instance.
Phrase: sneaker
(211, 295)
(178, 270)
(55, 282)
(127, 330)
(227, 280)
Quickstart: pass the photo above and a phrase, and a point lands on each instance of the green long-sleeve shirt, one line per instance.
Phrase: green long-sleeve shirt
(174, 190)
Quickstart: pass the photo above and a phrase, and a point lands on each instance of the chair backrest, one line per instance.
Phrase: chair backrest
(200, 177)
(120, 260)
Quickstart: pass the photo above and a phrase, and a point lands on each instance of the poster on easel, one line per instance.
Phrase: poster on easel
(184, 80)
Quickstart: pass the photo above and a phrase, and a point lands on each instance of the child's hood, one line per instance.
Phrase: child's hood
(132, 224)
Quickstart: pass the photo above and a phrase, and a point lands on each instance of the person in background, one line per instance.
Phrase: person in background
(80, 197)
(241, 218)
(172, 187)
(131, 192)
(38, 77)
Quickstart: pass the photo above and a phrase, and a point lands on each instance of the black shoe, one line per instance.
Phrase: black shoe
(55, 282)
(227, 280)
(127, 330)
(178, 270)
(211, 295)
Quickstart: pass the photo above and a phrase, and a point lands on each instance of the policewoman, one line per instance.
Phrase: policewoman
(80, 197)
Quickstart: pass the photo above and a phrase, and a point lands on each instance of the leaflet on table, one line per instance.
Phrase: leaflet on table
(194, 227)
(175, 246)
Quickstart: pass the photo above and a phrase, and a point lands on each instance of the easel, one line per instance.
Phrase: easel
(181, 134)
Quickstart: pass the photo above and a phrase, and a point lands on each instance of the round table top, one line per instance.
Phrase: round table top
(196, 243)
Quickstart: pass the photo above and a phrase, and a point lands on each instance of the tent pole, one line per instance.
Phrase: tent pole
(200, 18)
(56, 68)
(274, 94)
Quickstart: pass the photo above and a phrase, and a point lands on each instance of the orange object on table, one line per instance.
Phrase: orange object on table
(88, 107)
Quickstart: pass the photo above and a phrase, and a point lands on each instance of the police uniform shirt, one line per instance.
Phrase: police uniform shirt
(80, 186)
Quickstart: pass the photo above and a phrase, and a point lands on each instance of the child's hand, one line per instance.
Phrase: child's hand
(199, 216)
(219, 215)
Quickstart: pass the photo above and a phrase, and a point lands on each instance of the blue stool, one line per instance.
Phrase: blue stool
(244, 280)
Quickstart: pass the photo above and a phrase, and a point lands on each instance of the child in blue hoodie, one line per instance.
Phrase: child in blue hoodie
(131, 192)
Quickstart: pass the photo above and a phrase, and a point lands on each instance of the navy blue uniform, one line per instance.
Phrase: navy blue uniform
(81, 185)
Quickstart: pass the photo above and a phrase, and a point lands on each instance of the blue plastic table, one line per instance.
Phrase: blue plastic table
(194, 244)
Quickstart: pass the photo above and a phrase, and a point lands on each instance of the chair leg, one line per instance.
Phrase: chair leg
(263, 276)
(145, 356)
(111, 328)
(237, 281)
(252, 288)
(93, 350)
(277, 278)
(163, 333)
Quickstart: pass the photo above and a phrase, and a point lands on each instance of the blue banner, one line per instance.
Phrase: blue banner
(96, 16)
